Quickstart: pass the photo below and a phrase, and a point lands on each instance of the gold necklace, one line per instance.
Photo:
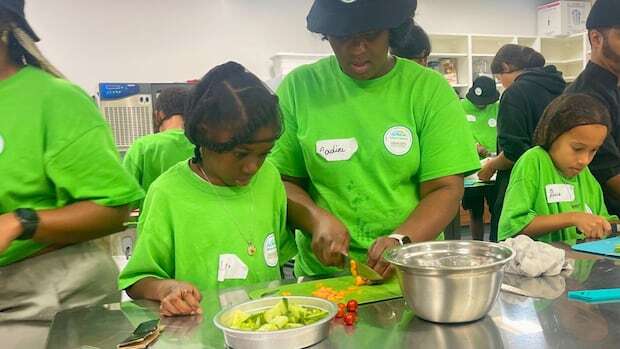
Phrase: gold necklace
(251, 250)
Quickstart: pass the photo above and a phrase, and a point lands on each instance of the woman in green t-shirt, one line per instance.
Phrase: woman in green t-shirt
(552, 196)
(374, 147)
(218, 220)
(61, 185)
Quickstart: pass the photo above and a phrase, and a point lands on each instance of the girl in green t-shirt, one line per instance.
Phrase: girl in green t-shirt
(218, 220)
(552, 196)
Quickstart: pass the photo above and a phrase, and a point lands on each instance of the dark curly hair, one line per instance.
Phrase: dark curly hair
(567, 112)
(410, 41)
(173, 101)
(229, 98)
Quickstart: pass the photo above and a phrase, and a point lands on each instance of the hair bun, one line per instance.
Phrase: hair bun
(230, 68)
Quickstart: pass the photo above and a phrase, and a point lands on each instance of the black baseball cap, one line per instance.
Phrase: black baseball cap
(483, 92)
(604, 14)
(350, 17)
(16, 8)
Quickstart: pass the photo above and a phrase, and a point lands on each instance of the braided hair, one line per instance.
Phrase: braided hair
(22, 48)
(567, 112)
(229, 98)
(517, 57)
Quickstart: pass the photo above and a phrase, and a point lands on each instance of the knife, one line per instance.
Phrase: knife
(364, 270)
(614, 229)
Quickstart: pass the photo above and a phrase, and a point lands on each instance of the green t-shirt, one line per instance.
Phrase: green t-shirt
(365, 146)
(528, 190)
(483, 123)
(152, 155)
(187, 224)
(55, 150)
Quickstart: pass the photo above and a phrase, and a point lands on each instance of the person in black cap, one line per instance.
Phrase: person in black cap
(373, 148)
(600, 79)
(62, 184)
(530, 87)
(415, 45)
(481, 107)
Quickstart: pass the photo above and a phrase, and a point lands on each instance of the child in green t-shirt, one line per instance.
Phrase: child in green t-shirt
(219, 219)
(481, 108)
(552, 196)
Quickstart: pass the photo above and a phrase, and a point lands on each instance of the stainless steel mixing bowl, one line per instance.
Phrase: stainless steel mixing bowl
(450, 281)
(293, 338)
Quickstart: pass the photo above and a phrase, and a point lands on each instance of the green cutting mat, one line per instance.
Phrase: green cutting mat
(363, 294)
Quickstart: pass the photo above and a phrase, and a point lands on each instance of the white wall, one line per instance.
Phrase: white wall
(512, 17)
(159, 41)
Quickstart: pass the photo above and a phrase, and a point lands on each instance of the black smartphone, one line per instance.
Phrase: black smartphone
(140, 333)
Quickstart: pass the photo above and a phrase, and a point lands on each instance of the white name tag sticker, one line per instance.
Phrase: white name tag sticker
(337, 149)
(560, 193)
(231, 268)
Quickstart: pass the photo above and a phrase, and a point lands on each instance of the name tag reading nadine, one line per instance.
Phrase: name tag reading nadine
(337, 149)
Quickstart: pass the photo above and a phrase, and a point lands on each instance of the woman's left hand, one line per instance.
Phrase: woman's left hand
(487, 171)
(375, 256)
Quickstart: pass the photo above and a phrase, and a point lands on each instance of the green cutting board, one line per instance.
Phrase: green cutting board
(363, 294)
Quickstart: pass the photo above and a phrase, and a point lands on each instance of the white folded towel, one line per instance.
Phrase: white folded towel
(535, 258)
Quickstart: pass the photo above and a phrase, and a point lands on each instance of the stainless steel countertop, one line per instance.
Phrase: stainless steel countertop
(514, 322)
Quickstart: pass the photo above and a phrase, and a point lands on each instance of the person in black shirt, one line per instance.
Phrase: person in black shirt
(600, 79)
(530, 87)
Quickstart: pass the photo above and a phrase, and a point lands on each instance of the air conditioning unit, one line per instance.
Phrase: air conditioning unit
(128, 108)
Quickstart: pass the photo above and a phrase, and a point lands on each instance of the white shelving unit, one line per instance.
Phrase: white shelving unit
(570, 54)
(473, 54)
(479, 52)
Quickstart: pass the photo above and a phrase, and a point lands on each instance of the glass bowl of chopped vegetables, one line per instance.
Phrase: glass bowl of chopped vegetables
(276, 322)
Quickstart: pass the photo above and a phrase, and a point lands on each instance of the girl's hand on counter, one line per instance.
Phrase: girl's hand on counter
(330, 240)
(592, 226)
(10, 228)
(180, 299)
(375, 256)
